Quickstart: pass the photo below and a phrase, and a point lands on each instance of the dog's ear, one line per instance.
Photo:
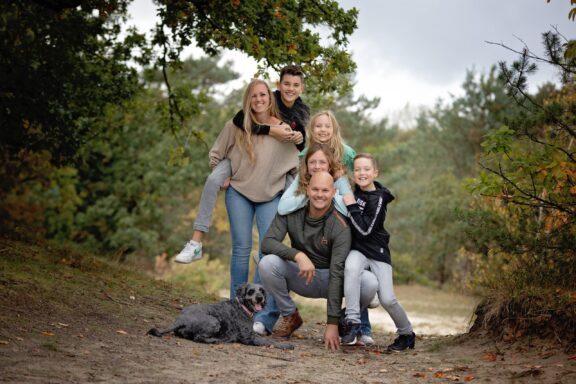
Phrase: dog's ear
(241, 290)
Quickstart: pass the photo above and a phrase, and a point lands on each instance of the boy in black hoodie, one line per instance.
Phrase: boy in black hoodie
(370, 254)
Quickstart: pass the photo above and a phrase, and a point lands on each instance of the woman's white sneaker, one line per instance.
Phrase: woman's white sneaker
(191, 252)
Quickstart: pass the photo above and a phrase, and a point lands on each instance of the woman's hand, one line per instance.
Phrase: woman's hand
(225, 184)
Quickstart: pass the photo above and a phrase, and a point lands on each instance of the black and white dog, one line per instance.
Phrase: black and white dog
(226, 322)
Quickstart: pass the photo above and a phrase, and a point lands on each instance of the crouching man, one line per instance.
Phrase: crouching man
(314, 265)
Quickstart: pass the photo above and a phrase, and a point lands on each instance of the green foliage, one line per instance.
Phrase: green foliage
(523, 226)
(61, 63)
(274, 33)
(530, 168)
(38, 198)
(137, 179)
(425, 168)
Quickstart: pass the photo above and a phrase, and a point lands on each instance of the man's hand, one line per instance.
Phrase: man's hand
(307, 269)
(331, 338)
(281, 132)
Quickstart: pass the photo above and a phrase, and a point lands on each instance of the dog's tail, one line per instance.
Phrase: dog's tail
(161, 332)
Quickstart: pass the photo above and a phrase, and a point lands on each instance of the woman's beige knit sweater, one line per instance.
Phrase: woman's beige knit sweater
(262, 179)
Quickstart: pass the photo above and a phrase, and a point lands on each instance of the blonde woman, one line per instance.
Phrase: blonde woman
(259, 167)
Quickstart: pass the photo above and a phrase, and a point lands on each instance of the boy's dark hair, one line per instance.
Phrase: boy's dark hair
(292, 69)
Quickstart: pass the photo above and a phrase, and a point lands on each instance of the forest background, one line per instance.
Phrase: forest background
(105, 135)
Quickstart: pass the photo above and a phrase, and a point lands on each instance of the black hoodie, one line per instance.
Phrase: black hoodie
(367, 217)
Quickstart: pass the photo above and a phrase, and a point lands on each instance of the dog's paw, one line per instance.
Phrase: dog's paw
(154, 332)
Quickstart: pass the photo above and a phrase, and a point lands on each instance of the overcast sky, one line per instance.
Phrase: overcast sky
(415, 51)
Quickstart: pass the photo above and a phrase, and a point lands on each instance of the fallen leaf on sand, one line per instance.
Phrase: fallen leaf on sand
(419, 374)
(439, 375)
(469, 378)
(299, 337)
(489, 357)
(121, 332)
(47, 333)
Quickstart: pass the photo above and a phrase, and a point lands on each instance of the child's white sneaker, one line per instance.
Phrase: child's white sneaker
(365, 340)
(191, 252)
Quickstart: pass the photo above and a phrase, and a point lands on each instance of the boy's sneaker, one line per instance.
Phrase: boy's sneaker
(375, 303)
(191, 252)
(366, 340)
(288, 324)
(351, 334)
(260, 329)
(403, 342)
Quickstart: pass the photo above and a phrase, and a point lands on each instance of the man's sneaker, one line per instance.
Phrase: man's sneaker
(191, 252)
(366, 340)
(351, 334)
(375, 303)
(288, 324)
(403, 342)
(260, 329)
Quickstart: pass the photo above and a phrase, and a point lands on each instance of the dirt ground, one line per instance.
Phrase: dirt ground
(73, 328)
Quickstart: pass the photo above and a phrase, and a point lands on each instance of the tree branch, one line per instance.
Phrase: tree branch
(543, 202)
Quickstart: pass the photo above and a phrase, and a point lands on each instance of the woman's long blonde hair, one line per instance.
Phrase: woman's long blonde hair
(304, 175)
(335, 143)
(243, 137)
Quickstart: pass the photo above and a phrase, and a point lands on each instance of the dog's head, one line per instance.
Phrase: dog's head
(252, 296)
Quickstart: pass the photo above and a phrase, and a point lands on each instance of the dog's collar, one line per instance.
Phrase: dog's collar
(246, 310)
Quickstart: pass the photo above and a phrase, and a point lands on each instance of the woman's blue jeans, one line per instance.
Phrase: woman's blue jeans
(241, 214)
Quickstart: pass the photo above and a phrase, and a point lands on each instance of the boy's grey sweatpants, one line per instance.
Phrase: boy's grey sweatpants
(212, 186)
(213, 183)
(358, 265)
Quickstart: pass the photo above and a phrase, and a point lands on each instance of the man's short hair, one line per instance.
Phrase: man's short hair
(292, 69)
